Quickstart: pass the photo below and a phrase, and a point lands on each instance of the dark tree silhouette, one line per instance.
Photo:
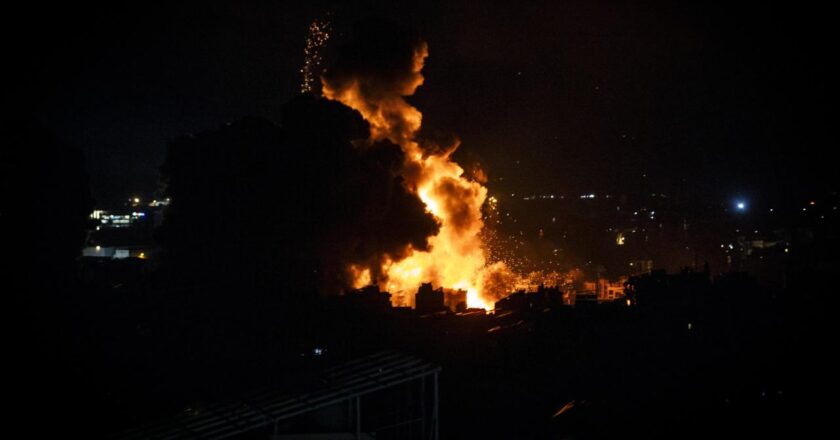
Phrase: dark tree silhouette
(45, 208)
(46, 198)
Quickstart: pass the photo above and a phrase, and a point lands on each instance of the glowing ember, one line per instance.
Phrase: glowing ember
(319, 35)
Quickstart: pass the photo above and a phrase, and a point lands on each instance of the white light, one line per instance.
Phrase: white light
(741, 206)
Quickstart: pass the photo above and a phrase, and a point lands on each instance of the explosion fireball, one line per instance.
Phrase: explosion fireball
(456, 258)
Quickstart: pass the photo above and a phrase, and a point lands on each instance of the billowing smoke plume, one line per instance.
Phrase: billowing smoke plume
(293, 206)
(373, 74)
(364, 213)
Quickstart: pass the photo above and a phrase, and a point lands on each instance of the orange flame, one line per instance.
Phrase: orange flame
(457, 258)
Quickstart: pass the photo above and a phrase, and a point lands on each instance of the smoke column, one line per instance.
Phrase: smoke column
(373, 74)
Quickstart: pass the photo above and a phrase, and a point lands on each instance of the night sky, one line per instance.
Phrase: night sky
(575, 96)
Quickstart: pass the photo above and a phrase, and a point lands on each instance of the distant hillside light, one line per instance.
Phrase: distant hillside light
(741, 206)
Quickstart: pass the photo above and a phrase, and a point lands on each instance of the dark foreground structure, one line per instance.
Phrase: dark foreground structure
(394, 385)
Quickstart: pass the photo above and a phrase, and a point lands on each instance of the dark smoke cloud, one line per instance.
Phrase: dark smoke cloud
(461, 214)
(292, 206)
(379, 54)
(374, 69)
